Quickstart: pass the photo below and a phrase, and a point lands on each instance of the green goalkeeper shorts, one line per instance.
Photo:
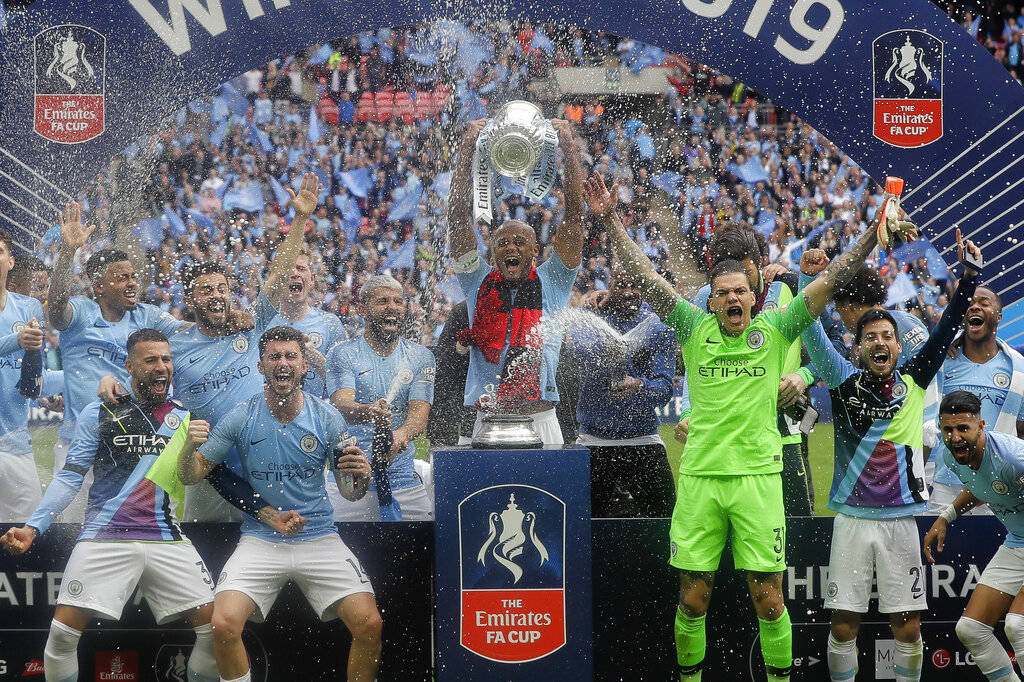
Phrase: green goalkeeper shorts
(706, 507)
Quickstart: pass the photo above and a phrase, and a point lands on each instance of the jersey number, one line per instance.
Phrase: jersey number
(779, 542)
(207, 578)
(915, 589)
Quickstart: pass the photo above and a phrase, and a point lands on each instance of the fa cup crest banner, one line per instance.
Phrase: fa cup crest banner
(70, 63)
(512, 553)
(907, 87)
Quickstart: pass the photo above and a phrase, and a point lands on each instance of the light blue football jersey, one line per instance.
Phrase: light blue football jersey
(214, 374)
(407, 374)
(999, 481)
(989, 381)
(556, 286)
(282, 462)
(14, 438)
(92, 348)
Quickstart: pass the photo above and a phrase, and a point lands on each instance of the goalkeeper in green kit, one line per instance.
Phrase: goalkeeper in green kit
(729, 474)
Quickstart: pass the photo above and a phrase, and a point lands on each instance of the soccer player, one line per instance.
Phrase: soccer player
(380, 381)
(729, 474)
(991, 466)
(323, 329)
(747, 246)
(878, 482)
(93, 332)
(990, 369)
(868, 291)
(285, 437)
(20, 490)
(29, 277)
(621, 387)
(130, 537)
(513, 357)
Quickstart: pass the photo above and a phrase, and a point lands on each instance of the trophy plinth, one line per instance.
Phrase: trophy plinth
(507, 432)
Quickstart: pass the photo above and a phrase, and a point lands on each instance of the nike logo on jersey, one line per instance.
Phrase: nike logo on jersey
(364, 372)
(708, 340)
(195, 359)
(254, 442)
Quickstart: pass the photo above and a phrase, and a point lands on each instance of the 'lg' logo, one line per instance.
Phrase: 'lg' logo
(941, 659)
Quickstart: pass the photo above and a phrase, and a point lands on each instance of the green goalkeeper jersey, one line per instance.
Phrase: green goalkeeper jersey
(734, 388)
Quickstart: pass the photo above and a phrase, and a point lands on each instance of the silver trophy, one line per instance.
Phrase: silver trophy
(516, 153)
(507, 432)
(516, 140)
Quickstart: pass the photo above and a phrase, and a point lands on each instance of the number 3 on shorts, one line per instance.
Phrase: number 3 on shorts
(780, 543)
(207, 578)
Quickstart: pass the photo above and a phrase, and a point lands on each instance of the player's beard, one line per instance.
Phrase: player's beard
(204, 318)
(283, 390)
(153, 391)
(385, 334)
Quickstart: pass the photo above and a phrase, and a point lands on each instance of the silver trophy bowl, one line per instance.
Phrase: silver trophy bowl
(515, 144)
(507, 432)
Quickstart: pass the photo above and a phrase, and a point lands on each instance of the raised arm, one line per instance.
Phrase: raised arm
(461, 239)
(657, 291)
(304, 204)
(818, 293)
(926, 363)
(568, 240)
(72, 237)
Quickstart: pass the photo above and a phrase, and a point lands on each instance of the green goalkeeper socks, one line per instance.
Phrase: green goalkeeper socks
(777, 646)
(690, 645)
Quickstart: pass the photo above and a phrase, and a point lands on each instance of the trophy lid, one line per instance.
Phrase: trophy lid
(507, 432)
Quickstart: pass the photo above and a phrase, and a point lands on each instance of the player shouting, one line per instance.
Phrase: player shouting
(729, 475)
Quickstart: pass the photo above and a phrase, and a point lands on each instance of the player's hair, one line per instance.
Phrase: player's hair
(99, 261)
(206, 266)
(145, 334)
(999, 300)
(866, 287)
(873, 315)
(24, 266)
(737, 241)
(374, 282)
(727, 267)
(281, 333)
(8, 241)
(960, 402)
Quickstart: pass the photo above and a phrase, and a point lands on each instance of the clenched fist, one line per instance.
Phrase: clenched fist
(198, 432)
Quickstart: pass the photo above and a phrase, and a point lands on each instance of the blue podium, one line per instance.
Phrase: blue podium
(512, 564)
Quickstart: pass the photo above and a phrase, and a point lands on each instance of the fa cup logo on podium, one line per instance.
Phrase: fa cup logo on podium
(509, 544)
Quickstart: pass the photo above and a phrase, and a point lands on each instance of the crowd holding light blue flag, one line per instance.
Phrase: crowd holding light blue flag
(668, 182)
(406, 204)
(314, 133)
(258, 137)
(901, 290)
(175, 222)
(150, 232)
(321, 55)
(235, 100)
(201, 220)
(402, 257)
(643, 55)
(248, 198)
(357, 181)
(922, 248)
